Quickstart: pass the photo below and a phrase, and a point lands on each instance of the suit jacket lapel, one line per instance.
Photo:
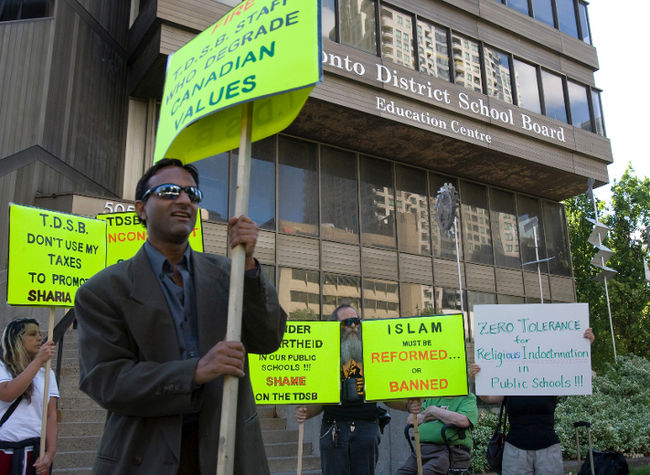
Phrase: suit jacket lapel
(149, 311)
(211, 284)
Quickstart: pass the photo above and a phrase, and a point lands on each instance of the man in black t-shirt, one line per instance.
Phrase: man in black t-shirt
(349, 435)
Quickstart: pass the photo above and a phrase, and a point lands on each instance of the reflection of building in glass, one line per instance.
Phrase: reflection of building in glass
(433, 51)
(476, 229)
(299, 292)
(357, 27)
(397, 37)
(497, 74)
(413, 215)
(467, 63)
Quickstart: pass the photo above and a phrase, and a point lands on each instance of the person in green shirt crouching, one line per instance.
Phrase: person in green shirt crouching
(432, 414)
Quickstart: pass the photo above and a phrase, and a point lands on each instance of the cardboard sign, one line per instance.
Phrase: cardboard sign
(304, 370)
(125, 234)
(51, 254)
(532, 349)
(262, 50)
(414, 357)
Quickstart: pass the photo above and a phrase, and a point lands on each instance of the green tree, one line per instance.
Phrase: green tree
(627, 215)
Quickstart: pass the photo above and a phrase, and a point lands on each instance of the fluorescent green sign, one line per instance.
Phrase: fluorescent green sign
(50, 255)
(304, 370)
(267, 51)
(125, 234)
(414, 357)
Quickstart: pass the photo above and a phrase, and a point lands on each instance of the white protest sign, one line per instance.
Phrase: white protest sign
(532, 349)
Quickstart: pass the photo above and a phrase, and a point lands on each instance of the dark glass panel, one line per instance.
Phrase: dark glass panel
(213, 182)
(476, 298)
(557, 239)
(339, 218)
(531, 227)
(504, 229)
(580, 116)
(338, 289)
(477, 239)
(298, 187)
(377, 203)
(412, 210)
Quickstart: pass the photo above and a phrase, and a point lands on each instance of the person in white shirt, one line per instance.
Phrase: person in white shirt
(22, 376)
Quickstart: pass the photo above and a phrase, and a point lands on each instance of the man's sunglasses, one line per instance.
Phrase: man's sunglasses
(169, 191)
(349, 321)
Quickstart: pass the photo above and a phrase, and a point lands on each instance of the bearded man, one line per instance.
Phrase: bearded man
(349, 435)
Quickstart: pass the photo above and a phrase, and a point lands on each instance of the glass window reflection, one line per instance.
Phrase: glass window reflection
(467, 63)
(476, 298)
(520, 5)
(358, 25)
(297, 187)
(580, 116)
(328, 19)
(504, 229)
(416, 299)
(543, 11)
(566, 15)
(477, 238)
(339, 207)
(584, 23)
(380, 299)
(261, 201)
(338, 289)
(433, 49)
(299, 293)
(396, 31)
(377, 203)
(599, 121)
(557, 239)
(554, 96)
(497, 73)
(531, 231)
(412, 210)
(527, 86)
(444, 244)
(213, 174)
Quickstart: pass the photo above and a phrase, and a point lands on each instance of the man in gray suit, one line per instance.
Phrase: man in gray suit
(151, 333)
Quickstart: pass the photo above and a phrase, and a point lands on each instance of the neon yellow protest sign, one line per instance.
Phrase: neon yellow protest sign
(414, 357)
(267, 51)
(304, 370)
(125, 234)
(50, 255)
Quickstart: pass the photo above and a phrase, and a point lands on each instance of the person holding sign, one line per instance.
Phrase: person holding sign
(150, 340)
(349, 436)
(22, 380)
(532, 446)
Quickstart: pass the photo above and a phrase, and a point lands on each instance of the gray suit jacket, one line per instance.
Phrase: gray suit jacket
(130, 363)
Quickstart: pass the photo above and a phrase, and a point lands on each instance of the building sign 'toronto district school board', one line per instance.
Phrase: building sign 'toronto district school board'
(532, 349)
(267, 51)
(51, 254)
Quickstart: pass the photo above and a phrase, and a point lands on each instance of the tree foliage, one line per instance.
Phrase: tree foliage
(628, 216)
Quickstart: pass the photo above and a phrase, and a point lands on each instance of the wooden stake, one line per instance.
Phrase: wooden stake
(46, 385)
(301, 433)
(418, 449)
(227, 430)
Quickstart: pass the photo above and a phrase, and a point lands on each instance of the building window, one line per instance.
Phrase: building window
(261, 204)
(527, 86)
(465, 62)
(478, 239)
(598, 113)
(299, 293)
(585, 31)
(377, 214)
(416, 300)
(497, 73)
(297, 187)
(328, 19)
(531, 233)
(380, 299)
(214, 184)
(444, 244)
(566, 14)
(393, 30)
(578, 98)
(339, 208)
(519, 5)
(504, 229)
(339, 289)
(543, 11)
(557, 239)
(553, 90)
(412, 212)
(358, 25)
(25, 9)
